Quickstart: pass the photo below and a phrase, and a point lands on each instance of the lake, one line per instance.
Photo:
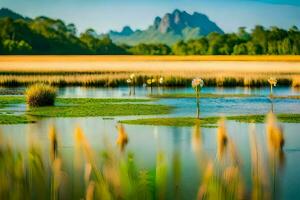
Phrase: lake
(178, 143)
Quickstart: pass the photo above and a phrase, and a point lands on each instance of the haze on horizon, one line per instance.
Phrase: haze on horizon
(105, 15)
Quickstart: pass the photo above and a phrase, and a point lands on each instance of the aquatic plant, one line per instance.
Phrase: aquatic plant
(275, 143)
(131, 83)
(150, 83)
(120, 78)
(122, 139)
(161, 81)
(44, 173)
(273, 82)
(222, 139)
(259, 175)
(222, 179)
(197, 84)
(40, 95)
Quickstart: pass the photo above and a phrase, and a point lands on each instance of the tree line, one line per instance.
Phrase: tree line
(44, 35)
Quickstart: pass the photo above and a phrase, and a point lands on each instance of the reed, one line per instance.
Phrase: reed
(150, 79)
(112, 174)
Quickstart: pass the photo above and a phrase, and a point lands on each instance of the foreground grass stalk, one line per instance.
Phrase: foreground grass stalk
(114, 175)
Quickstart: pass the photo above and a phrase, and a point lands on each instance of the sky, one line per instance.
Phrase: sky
(105, 15)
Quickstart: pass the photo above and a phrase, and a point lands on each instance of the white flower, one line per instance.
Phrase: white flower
(197, 82)
(132, 76)
(128, 80)
(272, 81)
(150, 81)
(161, 80)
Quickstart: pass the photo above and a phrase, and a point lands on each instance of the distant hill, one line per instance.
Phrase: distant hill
(178, 25)
(5, 12)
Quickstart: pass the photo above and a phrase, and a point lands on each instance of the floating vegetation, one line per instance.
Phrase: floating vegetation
(80, 107)
(210, 122)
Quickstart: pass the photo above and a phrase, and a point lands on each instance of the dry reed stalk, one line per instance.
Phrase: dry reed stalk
(122, 139)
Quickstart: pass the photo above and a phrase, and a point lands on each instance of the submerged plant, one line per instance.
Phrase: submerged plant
(197, 84)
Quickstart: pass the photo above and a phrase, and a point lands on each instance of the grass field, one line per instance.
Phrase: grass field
(280, 64)
(111, 71)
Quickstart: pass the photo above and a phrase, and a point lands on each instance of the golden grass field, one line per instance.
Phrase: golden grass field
(210, 64)
(75, 69)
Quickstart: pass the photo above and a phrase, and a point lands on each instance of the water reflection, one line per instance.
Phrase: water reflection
(188, 151)
(277, 169)
(143, 92)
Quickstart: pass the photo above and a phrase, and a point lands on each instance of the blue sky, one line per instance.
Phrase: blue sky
(103, 15)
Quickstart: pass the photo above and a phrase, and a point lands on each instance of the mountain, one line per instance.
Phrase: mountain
(172, 27)
(126, 31)
(5, 12)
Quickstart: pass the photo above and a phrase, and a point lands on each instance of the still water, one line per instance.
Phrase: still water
(177, 142)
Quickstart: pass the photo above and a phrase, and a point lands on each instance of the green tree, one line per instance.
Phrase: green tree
(243, 34)
(240, 49)
(197, 47)
(16, 47)
(260, 36)
(180, 48)
(254, 49)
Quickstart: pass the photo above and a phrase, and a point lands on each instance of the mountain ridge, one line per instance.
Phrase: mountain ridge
(172, 27)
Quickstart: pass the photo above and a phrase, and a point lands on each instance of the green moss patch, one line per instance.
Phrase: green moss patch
(210, 121)
(92, 110)
(15, 119)
(85, 107)
(6, 100)
(177, 121)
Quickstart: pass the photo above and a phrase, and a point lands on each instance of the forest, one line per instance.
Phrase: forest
(43, 35)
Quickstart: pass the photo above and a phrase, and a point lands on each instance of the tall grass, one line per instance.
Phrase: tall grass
(120, 79)
(40, 95)
(114, 174)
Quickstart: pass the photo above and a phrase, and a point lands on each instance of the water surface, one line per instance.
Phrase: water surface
(177, 142)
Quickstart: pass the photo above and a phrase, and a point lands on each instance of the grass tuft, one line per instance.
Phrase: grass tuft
(40, 95)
